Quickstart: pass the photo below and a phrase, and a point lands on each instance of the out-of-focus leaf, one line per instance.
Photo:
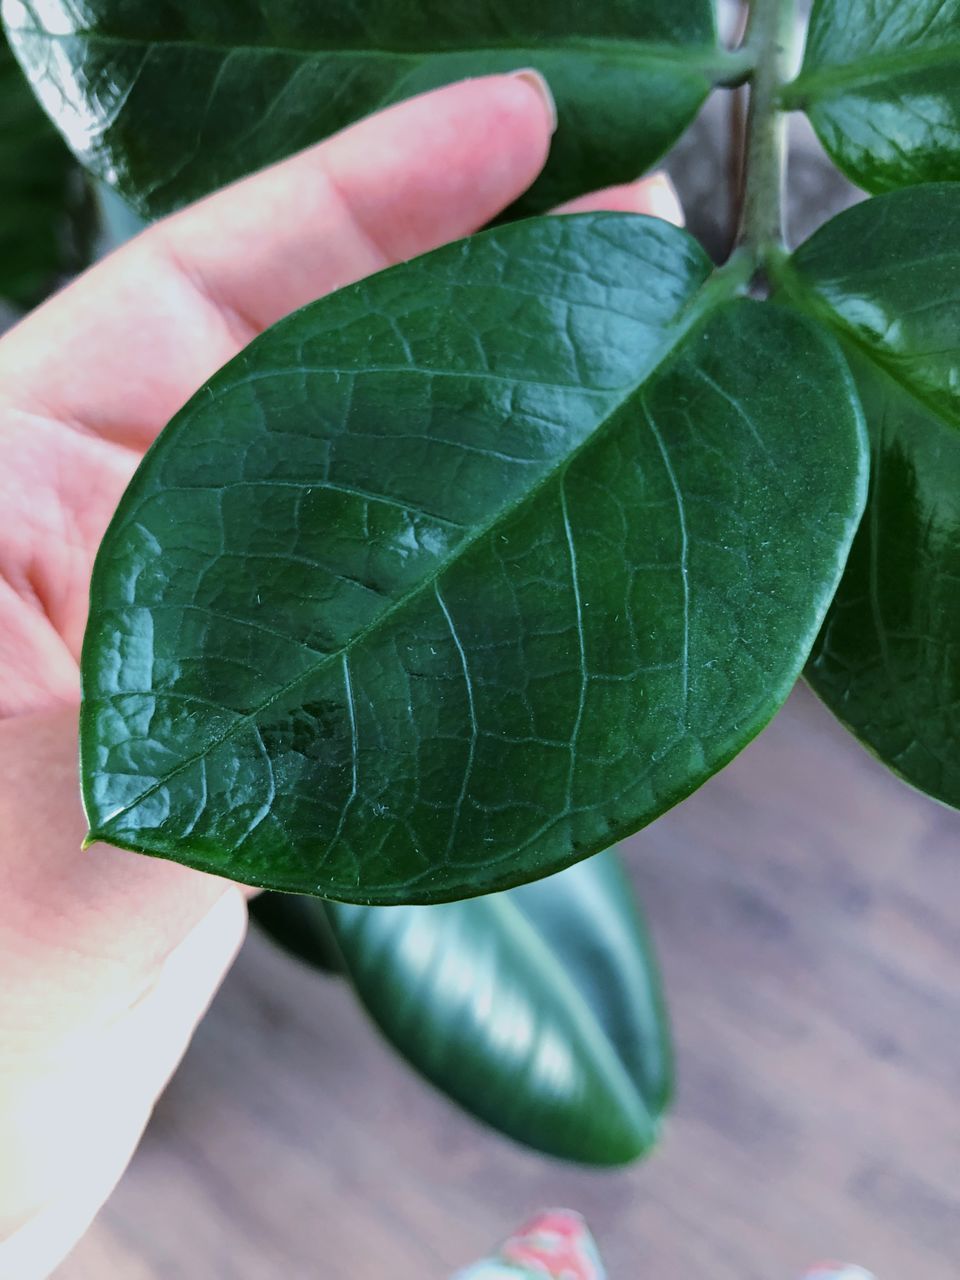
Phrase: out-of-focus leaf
(302, 926)
(44, 213)
(538, 1010)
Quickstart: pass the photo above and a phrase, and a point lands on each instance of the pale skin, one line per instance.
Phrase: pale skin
(108, 960)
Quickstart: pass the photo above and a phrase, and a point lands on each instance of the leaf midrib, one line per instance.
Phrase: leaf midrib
(820, 81)
(630, 928)
(534, 940)
(694, 55)
(715, 290)
(543, 960)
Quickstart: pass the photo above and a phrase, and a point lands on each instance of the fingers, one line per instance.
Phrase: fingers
(655, 196)
(120, 350)
(112, 358)
(429, 171)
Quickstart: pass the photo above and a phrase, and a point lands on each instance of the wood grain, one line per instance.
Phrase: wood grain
(805, 906)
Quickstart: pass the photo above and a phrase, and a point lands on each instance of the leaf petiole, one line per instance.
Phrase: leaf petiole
(770, 37)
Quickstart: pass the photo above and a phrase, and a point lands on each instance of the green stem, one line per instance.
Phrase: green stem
(769, 36)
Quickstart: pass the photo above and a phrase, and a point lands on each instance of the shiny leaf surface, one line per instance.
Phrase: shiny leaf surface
(881, 84)
(42, 207)
(458, 575)
(538, 1010)
(171, 100)
(887, 275)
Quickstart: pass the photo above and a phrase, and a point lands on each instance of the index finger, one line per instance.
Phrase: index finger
(138, 336)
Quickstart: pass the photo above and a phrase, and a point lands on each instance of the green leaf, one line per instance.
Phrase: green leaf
(538, 1010)
(458, 575)
(881, 84)
(302, 926)
(171, 100)
(887, 275)
(43, 213)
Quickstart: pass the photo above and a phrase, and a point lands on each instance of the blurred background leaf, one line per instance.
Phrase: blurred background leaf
(46, 213)
(539, 1010)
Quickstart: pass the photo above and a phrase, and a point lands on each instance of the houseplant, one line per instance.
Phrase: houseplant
(630, 489)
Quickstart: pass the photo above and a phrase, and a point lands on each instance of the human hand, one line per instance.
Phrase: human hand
(109, 959)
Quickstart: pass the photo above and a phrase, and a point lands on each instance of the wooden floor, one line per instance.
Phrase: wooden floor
(805, 905)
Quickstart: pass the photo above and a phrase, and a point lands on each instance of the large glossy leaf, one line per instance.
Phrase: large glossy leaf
(881, 84)
(887, 275)
(458, 575)
(170, 100)
(42, 207)
(539, 1010)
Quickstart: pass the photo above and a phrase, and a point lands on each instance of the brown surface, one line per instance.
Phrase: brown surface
(805, 906)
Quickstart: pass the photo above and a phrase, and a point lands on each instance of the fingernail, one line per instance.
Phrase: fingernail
(536, 82)
(661, 198)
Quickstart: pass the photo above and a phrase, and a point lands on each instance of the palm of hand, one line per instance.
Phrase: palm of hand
(89, 380)
(62, 486)
(68, 447)
(113, 957)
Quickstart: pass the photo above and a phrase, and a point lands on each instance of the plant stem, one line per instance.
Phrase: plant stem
(769, 36)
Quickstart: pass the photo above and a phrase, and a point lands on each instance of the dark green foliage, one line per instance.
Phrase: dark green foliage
(455, 576)
(45, 218)
(553, 984)
(157, 96)
(881, 84)
(886, 275)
